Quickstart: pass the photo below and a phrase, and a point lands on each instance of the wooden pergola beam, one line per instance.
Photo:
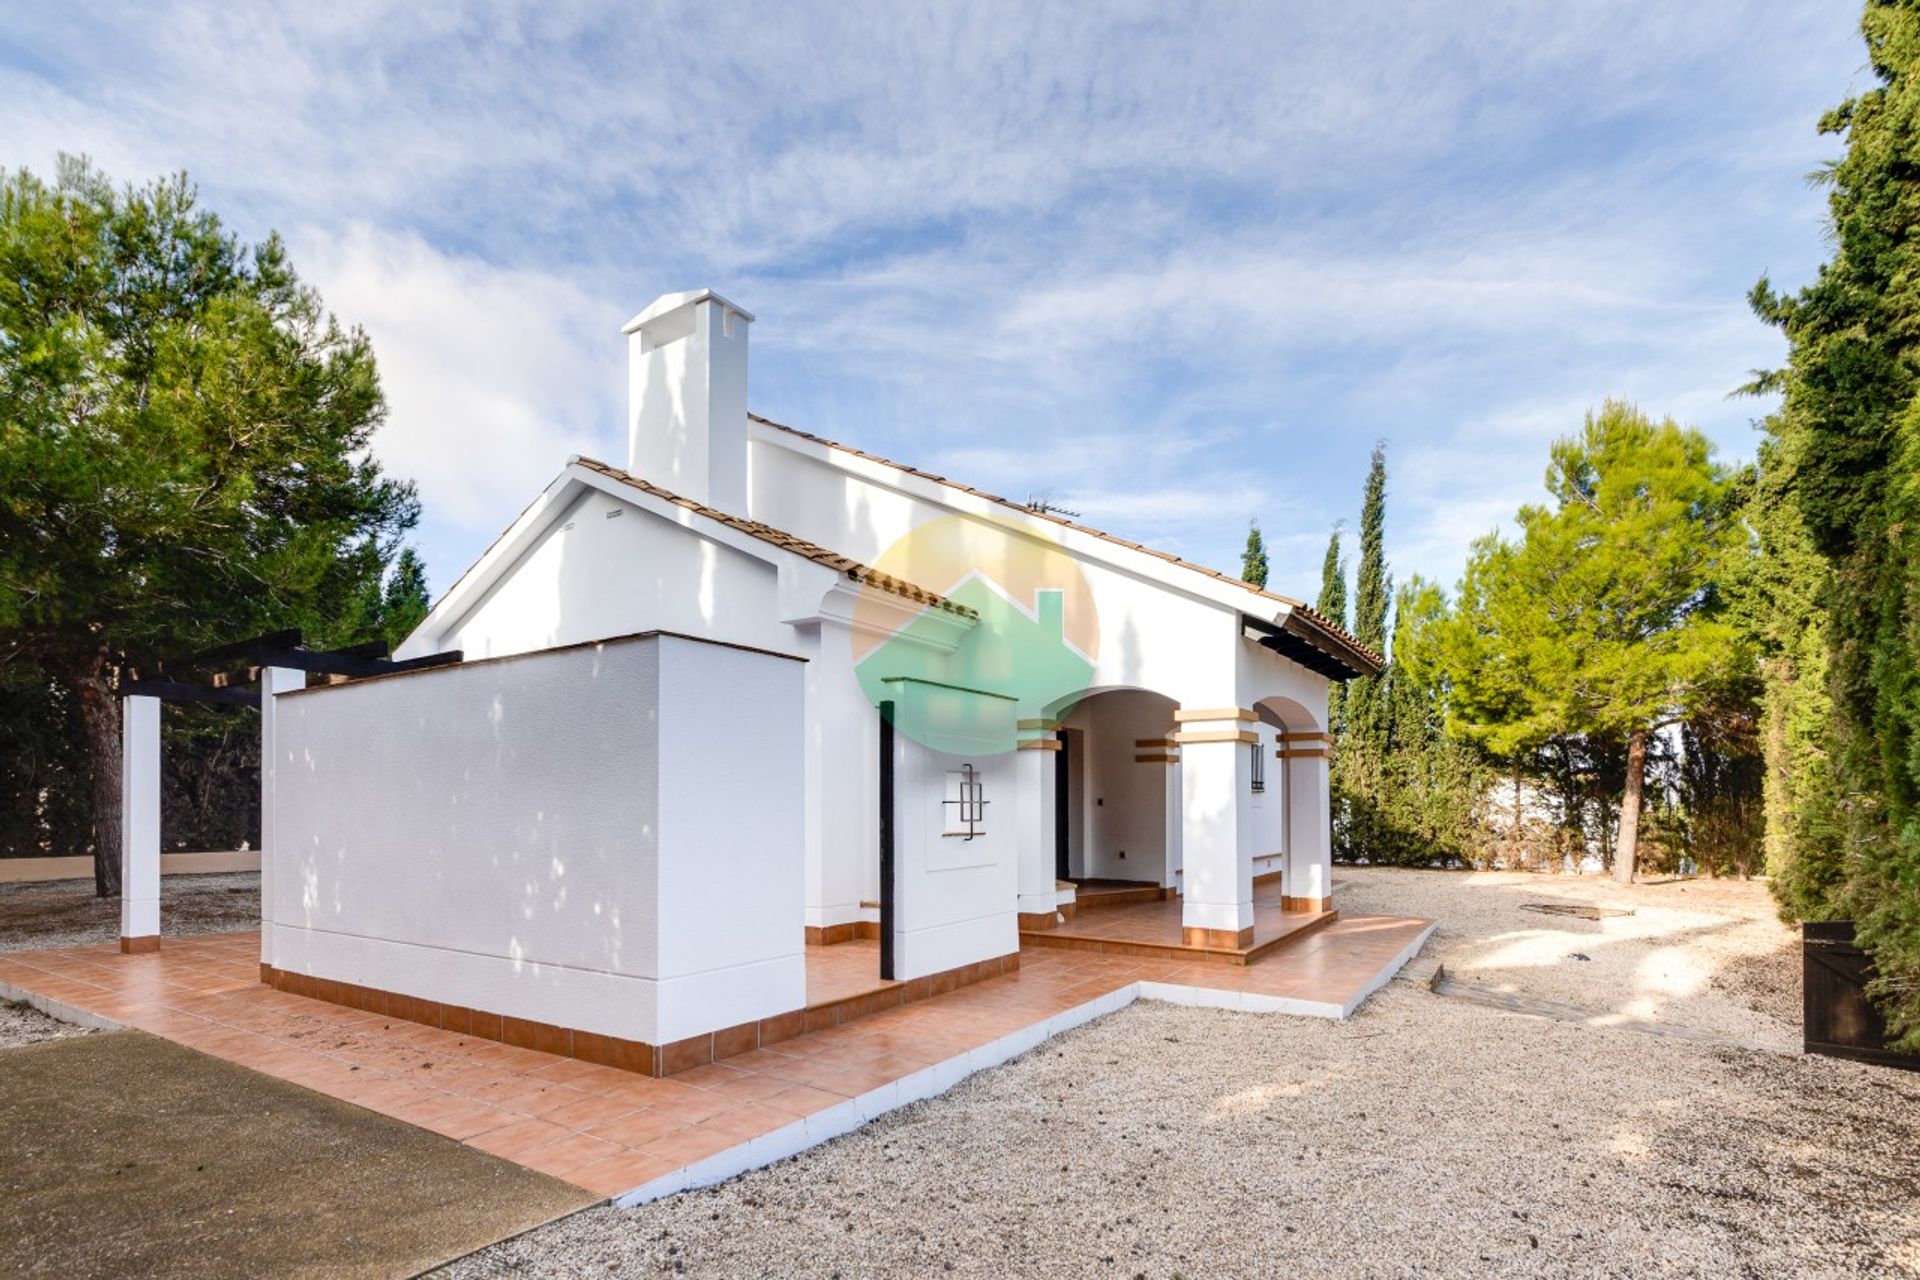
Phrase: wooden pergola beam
(186, 691)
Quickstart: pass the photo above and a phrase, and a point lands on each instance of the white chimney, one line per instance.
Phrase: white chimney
(687, 398)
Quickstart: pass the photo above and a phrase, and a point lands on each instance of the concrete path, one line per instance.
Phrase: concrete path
(127, 1155)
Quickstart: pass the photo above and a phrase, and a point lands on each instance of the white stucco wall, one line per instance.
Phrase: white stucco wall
(607, 567)
(1150, 636)
(513, 836)
(958, 898)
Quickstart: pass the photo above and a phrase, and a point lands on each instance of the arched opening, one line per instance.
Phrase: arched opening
(1291, 838)
(1117, 794)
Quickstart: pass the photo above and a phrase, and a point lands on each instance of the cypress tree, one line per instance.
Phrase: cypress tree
(1333, 582)
(1253, 561)
(1846, 450)
(1361, 827)
(1370, 588)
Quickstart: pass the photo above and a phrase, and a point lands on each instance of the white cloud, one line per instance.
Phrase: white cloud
(492, 375)
(1181, 265)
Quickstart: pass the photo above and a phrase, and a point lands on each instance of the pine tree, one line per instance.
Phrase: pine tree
(404, 601)
(1253, 561)
(1605, 619)
(184, 455)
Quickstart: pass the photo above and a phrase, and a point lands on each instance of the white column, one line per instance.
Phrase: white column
(1216, 826)
(273, 681)
(139, 824)
(1308, 884)
(1034, 801)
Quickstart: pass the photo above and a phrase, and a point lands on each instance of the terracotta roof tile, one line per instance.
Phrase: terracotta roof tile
(1320, 621)
(853, 569)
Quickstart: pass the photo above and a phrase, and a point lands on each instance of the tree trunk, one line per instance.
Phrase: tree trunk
(1628, 845)
(100, 719)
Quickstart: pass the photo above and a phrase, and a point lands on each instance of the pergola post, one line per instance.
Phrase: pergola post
(139, 825)
(273, 680)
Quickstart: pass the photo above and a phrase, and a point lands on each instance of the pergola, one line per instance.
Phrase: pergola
(247, 673)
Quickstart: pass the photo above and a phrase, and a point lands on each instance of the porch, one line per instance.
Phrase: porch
(1115, 921)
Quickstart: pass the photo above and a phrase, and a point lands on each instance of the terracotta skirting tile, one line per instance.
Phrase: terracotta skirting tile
(146, 944)
(612, 1051)
(782, 1027)
(731, 1042)
(541, 1037)
(682, 1055)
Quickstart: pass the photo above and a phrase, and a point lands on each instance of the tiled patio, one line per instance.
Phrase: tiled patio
(1153, 929)
(625, 1135)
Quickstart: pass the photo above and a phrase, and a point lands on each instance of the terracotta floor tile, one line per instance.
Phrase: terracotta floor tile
(692, 1110)
(757, 1087)
(708, 1075)
(687, 1145)
(564, 1155)
(749, 1121)
(455, 1117)
(803, 1100)
(638, 1128)
(592, 1111)
(620, 1173)
(509, 1140)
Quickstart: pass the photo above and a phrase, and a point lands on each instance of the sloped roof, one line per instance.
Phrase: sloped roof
(1317, 620)
(853, 569)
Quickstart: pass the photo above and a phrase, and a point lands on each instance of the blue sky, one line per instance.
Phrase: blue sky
(1178, 267)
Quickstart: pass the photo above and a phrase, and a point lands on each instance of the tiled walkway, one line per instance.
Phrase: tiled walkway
(624, 1135)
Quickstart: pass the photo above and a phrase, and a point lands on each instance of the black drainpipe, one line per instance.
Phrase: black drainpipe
(886, 842)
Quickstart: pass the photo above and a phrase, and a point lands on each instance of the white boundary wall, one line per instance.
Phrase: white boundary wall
(606, 837)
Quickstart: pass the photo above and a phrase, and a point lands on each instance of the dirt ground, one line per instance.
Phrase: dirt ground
(65, 913)
(1705, 954)
(126, 1155)
(1427, 1136)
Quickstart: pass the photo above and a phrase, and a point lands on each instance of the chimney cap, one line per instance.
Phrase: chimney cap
(666, 302)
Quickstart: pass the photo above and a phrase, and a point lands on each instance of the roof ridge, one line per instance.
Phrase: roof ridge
(854, 569)
(1319, 619)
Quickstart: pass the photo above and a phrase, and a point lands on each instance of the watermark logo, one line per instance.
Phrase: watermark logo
(1020, 651)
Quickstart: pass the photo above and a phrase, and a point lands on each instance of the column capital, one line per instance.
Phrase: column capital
(1185, 715)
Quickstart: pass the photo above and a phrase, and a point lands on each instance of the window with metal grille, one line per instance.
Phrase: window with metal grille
(1259, 766)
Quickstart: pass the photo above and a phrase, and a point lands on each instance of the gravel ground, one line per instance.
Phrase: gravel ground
(64, 913)
(1425, 1137)
(22, 1024)
(1706, 954)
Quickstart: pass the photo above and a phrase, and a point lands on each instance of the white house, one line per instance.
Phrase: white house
(757, 690)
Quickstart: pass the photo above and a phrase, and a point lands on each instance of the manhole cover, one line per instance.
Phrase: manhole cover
(1580, 909)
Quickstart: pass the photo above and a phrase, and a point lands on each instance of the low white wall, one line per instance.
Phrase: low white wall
(605, 837)
(958, 898)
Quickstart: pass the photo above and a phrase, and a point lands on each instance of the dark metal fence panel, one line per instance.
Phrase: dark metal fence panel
(1838, 1019)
